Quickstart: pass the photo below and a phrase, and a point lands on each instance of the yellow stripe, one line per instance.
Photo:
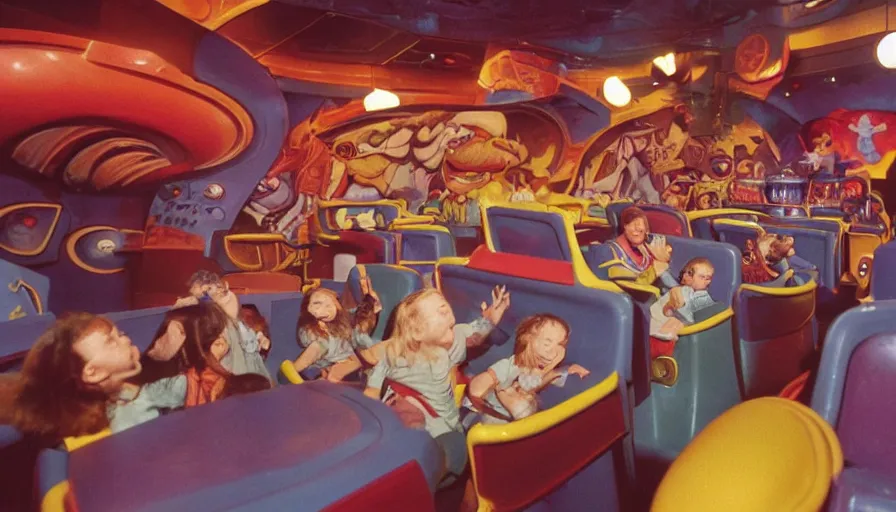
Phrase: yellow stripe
(707, 324)
(633, 286)
(787, 291)
(542, 420)
(75, 442)
(54, 500)
(289, 371)
(422, 227)
(701, 214)
(739, 223)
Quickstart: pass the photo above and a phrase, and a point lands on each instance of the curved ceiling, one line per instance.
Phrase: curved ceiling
(100, 115)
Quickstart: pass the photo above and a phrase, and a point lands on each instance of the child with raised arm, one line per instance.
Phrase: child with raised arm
(508, 390)
(674, 310)
(329, 333)
(416, 364)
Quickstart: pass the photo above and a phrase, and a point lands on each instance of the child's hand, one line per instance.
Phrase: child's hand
(500, 303)
(578, 370)
(185, 301)
(367, 289)
(660, 249)
(676, 300)
(264, 343)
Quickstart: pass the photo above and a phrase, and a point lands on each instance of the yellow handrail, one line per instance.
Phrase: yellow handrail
(18, 284)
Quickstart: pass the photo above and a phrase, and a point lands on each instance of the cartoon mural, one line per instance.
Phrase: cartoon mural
(848, 142)
(446, 159)
(654, 159)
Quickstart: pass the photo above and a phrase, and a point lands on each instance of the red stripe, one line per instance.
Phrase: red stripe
(525, 267)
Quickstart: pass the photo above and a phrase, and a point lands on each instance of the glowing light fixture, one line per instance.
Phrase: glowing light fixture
(886, 51)
(616, 93)
(666, 63)
(380, 100)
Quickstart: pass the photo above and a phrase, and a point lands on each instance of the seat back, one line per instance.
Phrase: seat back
(772, 354)
(725, 257)
(18, 338)
(422, 246)
(366, 246)
(735, 232)
(819, 247)
(702, 220)
(327, 213)
(855, 377)
(263, 282)
(392, 283)
(601, 334)
(528, 233)
(867, 417)
(883, 272)
(52, 485)
(663, 220)
(707, 381)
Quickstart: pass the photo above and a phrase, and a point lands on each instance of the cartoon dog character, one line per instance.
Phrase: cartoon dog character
(766, 258)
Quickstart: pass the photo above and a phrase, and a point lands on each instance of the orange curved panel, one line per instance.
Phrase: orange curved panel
(108, 83)
(211, 14)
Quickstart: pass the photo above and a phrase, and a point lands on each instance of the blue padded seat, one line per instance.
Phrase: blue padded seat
(883, 272)
(392, 283)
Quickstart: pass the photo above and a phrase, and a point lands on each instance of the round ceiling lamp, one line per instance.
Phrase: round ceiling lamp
(666, 63)
(380, 100)
(886, 51)
(616, 93)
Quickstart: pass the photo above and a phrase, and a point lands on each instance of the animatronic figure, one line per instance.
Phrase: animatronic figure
(415, 367)
(74, 381)
(754, 268)
(644, 263)
(865, 142)
(671, 312)
(254, 320)
(508, 390)
(364, 221)
(776, 255)
(330, 334)
(245, 356)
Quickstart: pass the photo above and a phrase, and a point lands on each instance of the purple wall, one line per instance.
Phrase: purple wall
(72, 288)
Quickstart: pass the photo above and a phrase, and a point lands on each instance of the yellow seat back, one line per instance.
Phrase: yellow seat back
(765, 454)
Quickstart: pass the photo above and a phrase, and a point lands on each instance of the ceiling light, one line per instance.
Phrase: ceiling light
(666, 63)
(140, 62)
(787, 94)
(380, 100)
(656, 84)
(616, 93)
(886, 51)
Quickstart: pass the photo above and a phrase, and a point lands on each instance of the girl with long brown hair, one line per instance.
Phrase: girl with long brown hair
(329, 333)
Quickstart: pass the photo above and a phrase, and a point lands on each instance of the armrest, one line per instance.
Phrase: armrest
(709, 323)
(289, 371)
(642, 292)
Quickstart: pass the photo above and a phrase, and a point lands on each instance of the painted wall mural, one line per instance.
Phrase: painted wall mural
(851, 141)
(450, 161)
(654, 159)
(447, 160)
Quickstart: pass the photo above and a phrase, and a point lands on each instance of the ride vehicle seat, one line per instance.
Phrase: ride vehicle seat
(853, 392)
(765, 454)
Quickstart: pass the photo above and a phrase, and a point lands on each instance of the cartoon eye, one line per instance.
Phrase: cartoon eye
(346, 150)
